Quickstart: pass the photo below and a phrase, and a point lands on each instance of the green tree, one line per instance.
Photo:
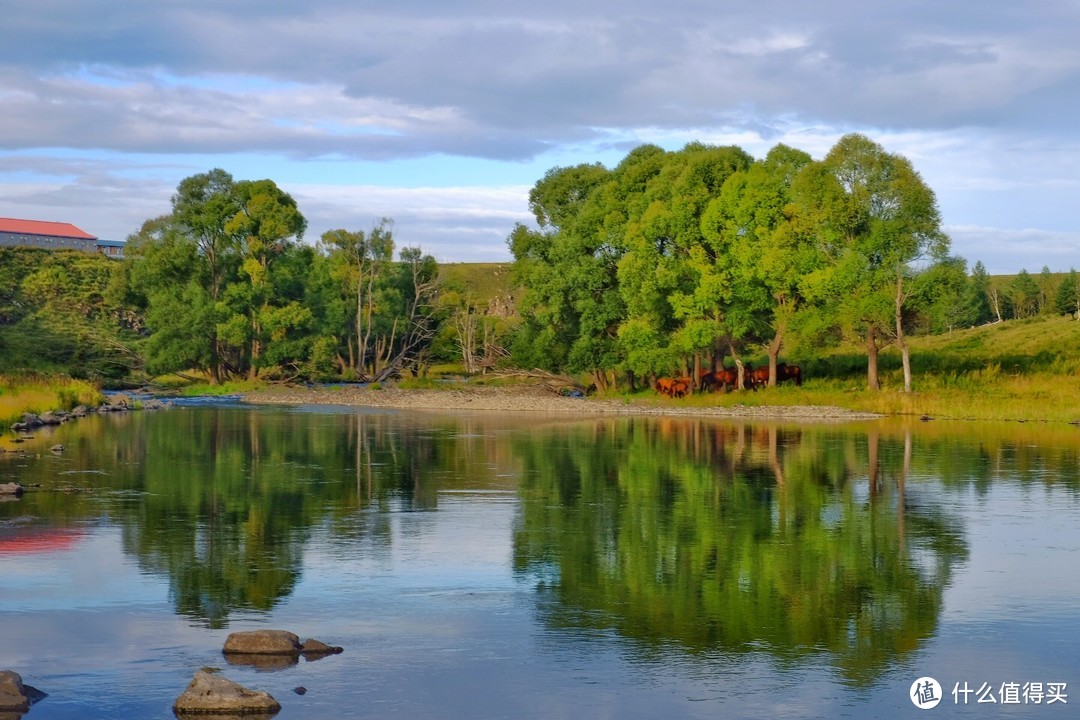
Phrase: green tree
(572, 308)
(358, 262)
(876, 219)
(167, 277)
(752, 227)
(267, 224)
(1047, 291)
(943, 296)
(980, 291)
(1067, 301)
(1022, 293)
(202, 207)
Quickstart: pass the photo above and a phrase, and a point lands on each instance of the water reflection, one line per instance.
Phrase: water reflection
(736, 539)
(701, 536)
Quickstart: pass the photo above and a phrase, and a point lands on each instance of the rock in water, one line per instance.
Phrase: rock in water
(14, 696)
(11, 488)
(209, 692)
(317, 647)
(262, 642)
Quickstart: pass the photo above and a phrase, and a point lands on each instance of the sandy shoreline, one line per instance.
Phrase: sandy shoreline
(527, 399)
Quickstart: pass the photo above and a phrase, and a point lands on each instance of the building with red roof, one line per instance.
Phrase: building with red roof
(54, 236)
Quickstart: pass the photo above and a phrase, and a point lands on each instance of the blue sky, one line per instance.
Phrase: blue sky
(441, 115)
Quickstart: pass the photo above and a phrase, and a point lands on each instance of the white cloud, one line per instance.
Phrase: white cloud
(983, 103)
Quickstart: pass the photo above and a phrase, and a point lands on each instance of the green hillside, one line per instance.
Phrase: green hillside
(483, 281)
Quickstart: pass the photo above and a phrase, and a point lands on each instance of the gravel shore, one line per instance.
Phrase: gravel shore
(530, 399)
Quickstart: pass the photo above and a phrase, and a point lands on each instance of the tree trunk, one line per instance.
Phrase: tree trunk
(871, 359)
(901, 341)
(995, 300)
(774, 354)
(697, 371)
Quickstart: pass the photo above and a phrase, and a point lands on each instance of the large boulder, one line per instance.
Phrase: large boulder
(262, 642)
(14, 696)
(209, 692)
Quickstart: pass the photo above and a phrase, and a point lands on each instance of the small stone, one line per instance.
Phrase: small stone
(57, 448)
(300, 690)
(316, 647)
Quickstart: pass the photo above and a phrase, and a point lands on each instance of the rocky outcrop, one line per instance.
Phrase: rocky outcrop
(14, 696)
(210, 693)
(112, 403)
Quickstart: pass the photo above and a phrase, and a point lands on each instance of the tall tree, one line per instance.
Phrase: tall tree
(676, 284)
(202, 207)
(980, 299)
(267, 223)
(879, 219)
(360, 259)
(752, 226)
(572, 307)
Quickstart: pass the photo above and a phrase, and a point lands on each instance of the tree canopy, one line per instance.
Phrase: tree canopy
(672, 260)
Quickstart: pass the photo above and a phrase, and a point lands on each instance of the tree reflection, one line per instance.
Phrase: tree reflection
(734, 538)
(222, 501)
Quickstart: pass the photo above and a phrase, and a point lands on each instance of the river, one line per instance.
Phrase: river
(505, 566)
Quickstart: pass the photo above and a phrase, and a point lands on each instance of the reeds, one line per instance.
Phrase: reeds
(33, 393)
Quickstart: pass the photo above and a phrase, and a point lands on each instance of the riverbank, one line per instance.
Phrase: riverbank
(536, 399)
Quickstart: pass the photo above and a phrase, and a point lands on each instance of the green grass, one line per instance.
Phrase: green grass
(1025, 370)
(230, 387)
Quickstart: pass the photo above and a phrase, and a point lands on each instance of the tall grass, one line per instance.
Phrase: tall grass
(21, 394)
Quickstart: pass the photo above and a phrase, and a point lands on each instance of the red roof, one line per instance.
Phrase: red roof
(41, 227)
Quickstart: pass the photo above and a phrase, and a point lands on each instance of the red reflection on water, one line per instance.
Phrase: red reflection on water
(33, 540)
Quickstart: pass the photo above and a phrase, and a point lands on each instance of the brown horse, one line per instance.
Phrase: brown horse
(673, 387)
(788, 372)
(758, 377)
(722, 379)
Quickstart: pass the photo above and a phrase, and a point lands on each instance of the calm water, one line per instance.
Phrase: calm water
(505, 567)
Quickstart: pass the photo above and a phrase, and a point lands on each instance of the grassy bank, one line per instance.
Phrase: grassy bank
(1027, 370)
(36, 394)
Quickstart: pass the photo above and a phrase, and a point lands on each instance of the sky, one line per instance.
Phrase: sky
(442, 114)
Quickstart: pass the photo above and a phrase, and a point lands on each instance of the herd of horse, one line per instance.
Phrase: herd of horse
(725, 378)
